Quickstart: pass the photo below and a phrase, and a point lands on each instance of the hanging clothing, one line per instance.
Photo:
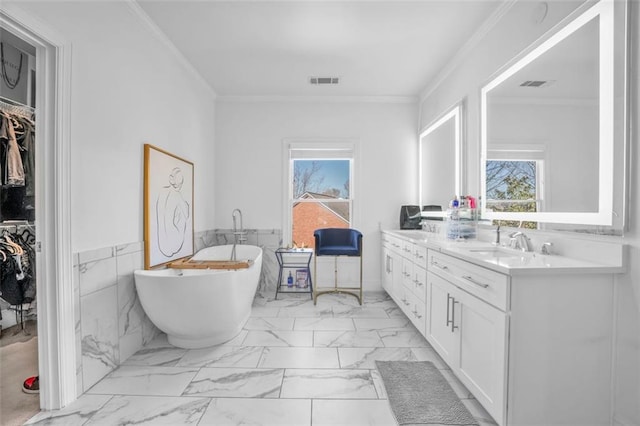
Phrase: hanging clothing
(13, 173)
(10, 290)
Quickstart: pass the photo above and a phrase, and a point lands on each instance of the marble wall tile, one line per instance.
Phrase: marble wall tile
(134, 247)
(99, 317)
(78, 329)
(94, 255)
(97, 274)
(130, 312)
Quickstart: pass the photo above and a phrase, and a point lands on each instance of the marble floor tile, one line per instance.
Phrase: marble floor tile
(157, 355)
(74, 414)
(367, 357)
(358, 312)
(138, 380)
(150, 410)
(403, 339)
(294, 363)
(222, 356)
(347, 339)
(287, 357)
(478, 412)
(331, 384)
(236, 341)
(383, 324)
(264, 311)
(278, 338)
(352, 412)
(236, 382)
(306, 311)
(244, 411)
(379, 384)
(332, 324)
(269, 324)
(461, 391)
(429, 354)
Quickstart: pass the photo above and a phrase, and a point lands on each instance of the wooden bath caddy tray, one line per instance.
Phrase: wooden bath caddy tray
(187, 263)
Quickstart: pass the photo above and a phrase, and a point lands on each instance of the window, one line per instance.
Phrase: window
(320, 190)
(514, 179)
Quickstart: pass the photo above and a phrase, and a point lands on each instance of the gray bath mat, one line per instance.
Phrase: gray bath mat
(420, 395)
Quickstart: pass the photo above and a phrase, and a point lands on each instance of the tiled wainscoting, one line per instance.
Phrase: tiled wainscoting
(110, 322)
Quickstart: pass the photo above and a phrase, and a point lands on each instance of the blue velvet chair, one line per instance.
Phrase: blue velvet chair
(337, 242)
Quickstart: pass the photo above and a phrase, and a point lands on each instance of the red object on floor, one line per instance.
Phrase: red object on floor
(31, 385)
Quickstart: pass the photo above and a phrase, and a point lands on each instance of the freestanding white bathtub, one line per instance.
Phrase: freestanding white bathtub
(201, 307)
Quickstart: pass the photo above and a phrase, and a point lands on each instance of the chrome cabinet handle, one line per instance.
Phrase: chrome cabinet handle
(448, 320)
(471, 280)
(437, 265)
(453, 314)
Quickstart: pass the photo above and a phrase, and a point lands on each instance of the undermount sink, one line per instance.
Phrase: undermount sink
(498, 252)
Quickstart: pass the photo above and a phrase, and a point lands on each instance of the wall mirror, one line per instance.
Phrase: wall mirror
(552, 126)
(440, 157)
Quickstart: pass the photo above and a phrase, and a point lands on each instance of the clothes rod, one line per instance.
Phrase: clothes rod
(13, 103)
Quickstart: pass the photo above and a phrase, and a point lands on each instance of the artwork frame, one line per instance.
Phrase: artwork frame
(168, 207)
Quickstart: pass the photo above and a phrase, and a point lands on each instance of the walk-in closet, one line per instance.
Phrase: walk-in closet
(18, 281)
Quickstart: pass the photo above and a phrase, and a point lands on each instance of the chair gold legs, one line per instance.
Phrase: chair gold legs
(354, 291)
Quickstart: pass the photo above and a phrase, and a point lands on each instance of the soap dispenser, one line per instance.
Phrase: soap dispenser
(290, 280)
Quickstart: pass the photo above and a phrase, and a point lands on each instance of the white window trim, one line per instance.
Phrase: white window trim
(328, 144)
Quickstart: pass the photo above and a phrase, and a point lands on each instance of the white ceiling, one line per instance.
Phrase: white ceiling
(271, 48)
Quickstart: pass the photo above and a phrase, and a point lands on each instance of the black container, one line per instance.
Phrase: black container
(410, 217)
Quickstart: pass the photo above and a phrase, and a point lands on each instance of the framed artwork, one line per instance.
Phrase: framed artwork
(168, 207)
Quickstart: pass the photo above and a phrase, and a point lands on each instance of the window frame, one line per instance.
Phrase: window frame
(317, 149)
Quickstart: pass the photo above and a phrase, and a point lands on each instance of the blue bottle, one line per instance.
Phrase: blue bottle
(290, 280)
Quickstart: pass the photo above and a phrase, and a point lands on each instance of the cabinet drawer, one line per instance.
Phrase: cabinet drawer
(392, 242)
(407, 249)
(488, 285)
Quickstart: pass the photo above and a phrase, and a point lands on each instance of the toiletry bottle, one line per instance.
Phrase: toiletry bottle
(290, 280)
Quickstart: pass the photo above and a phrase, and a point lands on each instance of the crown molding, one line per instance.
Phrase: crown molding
(462, 53)
(318, 99)
(154, 30)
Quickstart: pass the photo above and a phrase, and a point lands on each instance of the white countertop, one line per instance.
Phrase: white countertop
(505, 260)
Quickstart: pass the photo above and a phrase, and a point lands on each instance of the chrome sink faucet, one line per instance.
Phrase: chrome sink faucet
(519, 241)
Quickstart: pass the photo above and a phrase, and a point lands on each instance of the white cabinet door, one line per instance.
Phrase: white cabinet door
(387, 275)
(441, 331)
(481, 362)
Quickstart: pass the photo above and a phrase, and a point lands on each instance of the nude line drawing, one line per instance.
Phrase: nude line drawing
(172, 215)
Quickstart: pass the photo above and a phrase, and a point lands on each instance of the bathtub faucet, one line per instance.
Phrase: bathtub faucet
(239, 235)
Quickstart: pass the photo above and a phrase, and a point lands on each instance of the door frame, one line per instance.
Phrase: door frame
(55, 296)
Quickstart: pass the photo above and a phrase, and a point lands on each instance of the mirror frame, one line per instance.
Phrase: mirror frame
(604, 216)
(457, 114)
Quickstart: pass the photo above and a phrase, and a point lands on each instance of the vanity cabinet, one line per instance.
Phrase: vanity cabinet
(405, 277)
(531, 340)
(392, 265)
(466, 330)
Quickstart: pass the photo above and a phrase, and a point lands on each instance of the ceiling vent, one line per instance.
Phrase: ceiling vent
(319, 81)
(537, 83)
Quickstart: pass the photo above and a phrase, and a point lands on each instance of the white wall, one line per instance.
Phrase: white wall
(513, 33)
(250, 170)
(127, 89)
